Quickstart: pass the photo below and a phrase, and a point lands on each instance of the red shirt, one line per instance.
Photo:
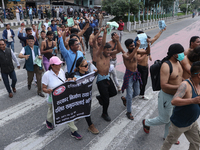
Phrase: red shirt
(121, 26)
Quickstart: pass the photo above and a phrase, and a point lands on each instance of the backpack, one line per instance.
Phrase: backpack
(155, 73)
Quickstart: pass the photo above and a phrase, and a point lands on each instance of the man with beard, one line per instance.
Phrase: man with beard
(96, 30)
(48, 49)
(132, 78)
(194, 42)
(105, 84)
(169, 84)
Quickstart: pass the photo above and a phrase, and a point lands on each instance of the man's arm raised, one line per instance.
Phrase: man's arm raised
(103, 42)
(157, 36)
(94, 41)
(119, 47)
(84, 29)
(128, 57)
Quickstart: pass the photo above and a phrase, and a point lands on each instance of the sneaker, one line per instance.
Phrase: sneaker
(76, 135)
(93, 129)
(143, 97)
(49, 125)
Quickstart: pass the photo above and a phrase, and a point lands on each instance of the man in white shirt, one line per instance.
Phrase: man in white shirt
(57, 12)
(8, 36)
(46, 23)
(30, 53)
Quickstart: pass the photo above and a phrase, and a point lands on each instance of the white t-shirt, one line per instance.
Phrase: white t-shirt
(46, 25)
(8, 36)
(34, 33)
(33, 53)
(51, 80)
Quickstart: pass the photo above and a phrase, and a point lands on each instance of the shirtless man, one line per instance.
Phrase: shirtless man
(48, 49)
(169, 85)
(113, 60)
(96, 43)
(189, 59)
(132, 79)
(143, 67)
(104, 82)
(194, 42)
(96, 30)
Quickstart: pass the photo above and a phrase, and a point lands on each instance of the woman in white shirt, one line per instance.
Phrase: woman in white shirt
(54, 77)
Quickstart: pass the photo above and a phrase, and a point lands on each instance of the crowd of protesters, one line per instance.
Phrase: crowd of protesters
(70, 33)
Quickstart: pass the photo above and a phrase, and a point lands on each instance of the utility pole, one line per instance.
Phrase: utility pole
(129, 12)
(4, 11)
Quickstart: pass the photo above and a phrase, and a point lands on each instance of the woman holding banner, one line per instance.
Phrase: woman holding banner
(54, 77)
(81, 70)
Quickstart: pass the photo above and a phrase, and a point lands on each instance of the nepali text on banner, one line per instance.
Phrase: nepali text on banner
(72, 100)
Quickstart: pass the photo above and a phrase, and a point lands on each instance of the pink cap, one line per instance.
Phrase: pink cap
(55, 60)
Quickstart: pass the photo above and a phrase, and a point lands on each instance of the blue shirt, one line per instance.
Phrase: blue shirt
(95, 22)
(30, 11)
(69, 55)
(92, 25)
(53, 28)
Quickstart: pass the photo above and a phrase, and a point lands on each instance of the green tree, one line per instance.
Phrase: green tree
(183, 7)
(121, 7)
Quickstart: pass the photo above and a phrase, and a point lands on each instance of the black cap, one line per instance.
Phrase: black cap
(175, 49)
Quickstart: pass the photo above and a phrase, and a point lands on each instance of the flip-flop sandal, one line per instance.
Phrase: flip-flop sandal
(123, 100)
(177, 143)
(145, 128)
(129, 115)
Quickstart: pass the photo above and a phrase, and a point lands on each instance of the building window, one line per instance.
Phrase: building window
(77, 2)
(90, 2)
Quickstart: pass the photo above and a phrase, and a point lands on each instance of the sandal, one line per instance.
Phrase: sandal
(129, 115)
(177, 143)
(145, 128)
(123, 100)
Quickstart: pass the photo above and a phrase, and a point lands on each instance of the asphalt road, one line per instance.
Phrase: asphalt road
(22, 118)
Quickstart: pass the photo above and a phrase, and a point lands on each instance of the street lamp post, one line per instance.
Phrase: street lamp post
(4, 9)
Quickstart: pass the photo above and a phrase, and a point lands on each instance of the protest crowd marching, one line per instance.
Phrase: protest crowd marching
(72, 34)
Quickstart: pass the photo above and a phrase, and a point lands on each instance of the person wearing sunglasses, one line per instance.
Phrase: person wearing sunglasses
(54, 77)
(81, 70)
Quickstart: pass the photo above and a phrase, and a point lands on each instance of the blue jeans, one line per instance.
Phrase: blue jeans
(39, 15)
(132, 91)
(31, 17)
(6, 80)
(10, 44)
(165, 109)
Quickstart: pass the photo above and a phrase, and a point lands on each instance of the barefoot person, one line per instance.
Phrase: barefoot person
(132, 78)
(169, 85)
(186, 111)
